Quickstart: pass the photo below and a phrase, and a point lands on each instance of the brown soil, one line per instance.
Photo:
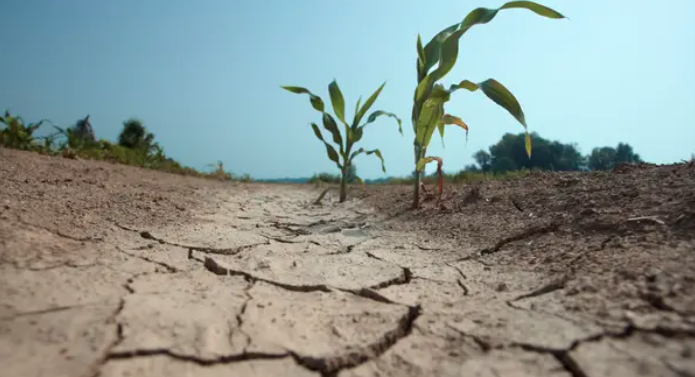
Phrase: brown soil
(118, 271)
(626, 235)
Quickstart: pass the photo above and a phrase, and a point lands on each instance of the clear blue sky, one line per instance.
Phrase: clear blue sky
(204, 76)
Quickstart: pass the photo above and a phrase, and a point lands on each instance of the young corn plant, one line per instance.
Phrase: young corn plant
(352, 133)
(430, 97)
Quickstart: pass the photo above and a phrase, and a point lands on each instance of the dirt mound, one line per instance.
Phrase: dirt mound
(81, 198)
(623, 239)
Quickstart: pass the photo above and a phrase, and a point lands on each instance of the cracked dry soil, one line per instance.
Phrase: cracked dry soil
(108, 270)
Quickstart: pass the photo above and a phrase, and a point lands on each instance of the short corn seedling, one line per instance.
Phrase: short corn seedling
(344, 156)
(428, 112)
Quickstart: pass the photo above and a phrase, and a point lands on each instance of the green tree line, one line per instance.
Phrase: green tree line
(509, 154)
(135, 145)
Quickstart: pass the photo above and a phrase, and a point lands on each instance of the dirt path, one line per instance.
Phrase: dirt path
(258, 282)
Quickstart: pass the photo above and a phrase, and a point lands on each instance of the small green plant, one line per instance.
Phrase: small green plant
(18, 135)
(430, 97)
(352, 133)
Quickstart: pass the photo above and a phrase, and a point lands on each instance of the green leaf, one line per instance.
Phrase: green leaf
(528, 144)
(357, 134)
(357, 109)
(316, 101)
(370, 101)
(332, 127)
(465, 84)
(373, 116)
(421, 57)
(480, 16)
(337, 100)
(498, 93)
(373, 151)
(332, 154)
(432, 49)
(503, 97)
(431, 115)
(539, 9)
(448, 42)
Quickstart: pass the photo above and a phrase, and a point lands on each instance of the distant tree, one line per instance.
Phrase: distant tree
(602, 158)
(83, 131)
(606, 158)
(625, 154)
(483, 159)
(134, 135)
(509, 154)
(472, 168)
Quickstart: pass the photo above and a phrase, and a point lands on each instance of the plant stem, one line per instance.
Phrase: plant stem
(416, 191)
(343, 185)
(416, 186)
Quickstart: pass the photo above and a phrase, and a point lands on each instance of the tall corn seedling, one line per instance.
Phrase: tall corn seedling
(430, 96)
(352, 133)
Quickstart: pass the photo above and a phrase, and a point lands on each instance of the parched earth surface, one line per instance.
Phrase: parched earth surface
(108, 270)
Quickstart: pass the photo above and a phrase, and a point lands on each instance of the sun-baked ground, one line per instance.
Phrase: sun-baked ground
(112, 271)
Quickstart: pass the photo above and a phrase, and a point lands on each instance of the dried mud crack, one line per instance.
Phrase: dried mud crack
(330, 366)
(592, 279)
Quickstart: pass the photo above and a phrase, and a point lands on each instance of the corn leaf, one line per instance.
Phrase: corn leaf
(426, 160)
(447, 41)
(421, 57)
(465, 84)
(451, 120)
(357, 134)
(430, 115)
(499, 94)
(367, 104)
(332, 127)
(373, 116)
(454, 120)
(357, 109)
(373, 151)
(503, 97)
(432, 49)
(316, 101)
(337, 100)
(332, 154)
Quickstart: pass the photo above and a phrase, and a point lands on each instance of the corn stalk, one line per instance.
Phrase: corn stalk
(352, 133)
(430, 97)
